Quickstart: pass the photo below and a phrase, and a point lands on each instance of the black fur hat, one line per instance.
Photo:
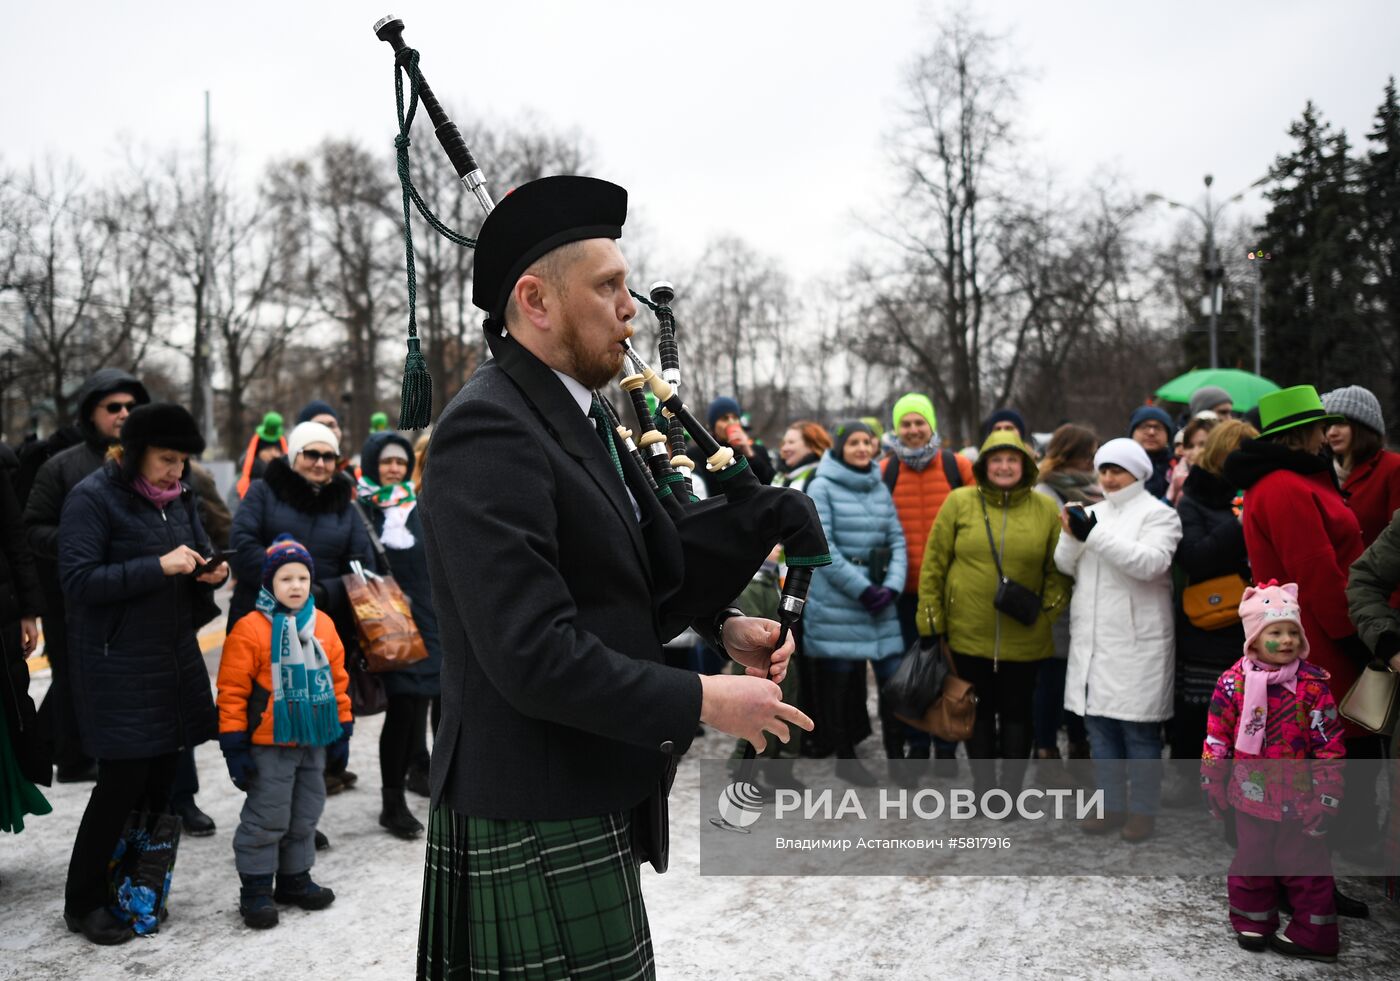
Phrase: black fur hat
(162, 424)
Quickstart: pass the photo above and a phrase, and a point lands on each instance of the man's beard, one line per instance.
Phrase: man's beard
(589, 370)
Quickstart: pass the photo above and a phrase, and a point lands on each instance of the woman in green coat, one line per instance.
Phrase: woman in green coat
(958, 585)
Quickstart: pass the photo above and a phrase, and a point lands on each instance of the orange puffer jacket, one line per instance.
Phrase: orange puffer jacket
(918, 495)
(245, 676)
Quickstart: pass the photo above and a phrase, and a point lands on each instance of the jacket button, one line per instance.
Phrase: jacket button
(667, 746)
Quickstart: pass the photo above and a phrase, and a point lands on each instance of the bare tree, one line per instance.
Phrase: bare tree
(341, 198)
(78, 264)
(931, 309)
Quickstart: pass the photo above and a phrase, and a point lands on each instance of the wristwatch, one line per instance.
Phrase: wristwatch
(718, 626)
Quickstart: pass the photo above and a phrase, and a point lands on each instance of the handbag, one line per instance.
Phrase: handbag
(366, 691)
(1214, 603)
(1016, 601)
(1373, 700)
(953, 713)
(383, 614)
(916, 682)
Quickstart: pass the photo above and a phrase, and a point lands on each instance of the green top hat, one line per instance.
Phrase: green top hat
(1290, 408)
(271, 429)
(378, 422)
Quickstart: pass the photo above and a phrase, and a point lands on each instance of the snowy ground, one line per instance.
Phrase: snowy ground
(703, 927)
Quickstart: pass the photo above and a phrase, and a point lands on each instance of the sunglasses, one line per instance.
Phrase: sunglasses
(318, 456)
(114, 408)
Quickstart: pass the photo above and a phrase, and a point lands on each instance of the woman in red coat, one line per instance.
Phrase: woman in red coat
(1368, 472)
(1298, 528)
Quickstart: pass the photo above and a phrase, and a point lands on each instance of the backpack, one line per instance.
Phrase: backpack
(950, 470)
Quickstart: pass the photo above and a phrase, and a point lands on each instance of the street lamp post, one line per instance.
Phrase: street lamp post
(1214, 273)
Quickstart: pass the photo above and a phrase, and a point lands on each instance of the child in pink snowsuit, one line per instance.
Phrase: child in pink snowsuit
(1273, 706)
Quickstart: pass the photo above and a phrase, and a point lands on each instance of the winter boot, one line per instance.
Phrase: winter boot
(396, 817)
(891, 731)
(1138, 827)
(853, 771)
(1291, 948)
(255, 902)
(1251, 941)
(99, 926)
(194, 821)
(322, 842)
(299, 890)
(1110, 821)
(416, 780)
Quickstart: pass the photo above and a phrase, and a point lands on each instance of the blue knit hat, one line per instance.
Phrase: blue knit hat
(314, 408)
(1005, 415)
(1144, 413)
(285, 549)
(722, 406)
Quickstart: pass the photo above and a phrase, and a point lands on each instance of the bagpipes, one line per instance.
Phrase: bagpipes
(725, 538)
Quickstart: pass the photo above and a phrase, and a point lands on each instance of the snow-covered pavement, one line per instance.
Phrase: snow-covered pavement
(703, 926)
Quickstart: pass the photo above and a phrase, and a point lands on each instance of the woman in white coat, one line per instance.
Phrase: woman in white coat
(1120, 672)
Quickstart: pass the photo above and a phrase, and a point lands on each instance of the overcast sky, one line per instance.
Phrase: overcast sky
(763, 118)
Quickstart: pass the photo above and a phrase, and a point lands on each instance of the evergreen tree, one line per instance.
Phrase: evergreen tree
(1313, 286)
(1380, 178)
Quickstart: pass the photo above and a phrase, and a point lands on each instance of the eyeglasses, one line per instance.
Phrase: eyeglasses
(318, 456)
(115, 408)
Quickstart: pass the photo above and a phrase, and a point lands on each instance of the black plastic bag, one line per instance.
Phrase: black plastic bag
(916, 682)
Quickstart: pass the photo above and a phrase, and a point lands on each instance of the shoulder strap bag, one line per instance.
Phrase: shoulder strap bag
(1013, 599)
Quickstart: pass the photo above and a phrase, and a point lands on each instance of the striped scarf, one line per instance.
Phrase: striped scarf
(304, 708)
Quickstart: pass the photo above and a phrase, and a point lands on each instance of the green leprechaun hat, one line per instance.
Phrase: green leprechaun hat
(271, 429)
(1290, 408)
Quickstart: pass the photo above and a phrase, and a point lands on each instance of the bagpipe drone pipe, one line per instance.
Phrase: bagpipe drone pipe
(725, 538)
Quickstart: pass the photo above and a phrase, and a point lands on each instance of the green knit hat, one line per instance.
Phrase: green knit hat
(378, 422)
(1290, 408)
(914, 402)
(271, 429)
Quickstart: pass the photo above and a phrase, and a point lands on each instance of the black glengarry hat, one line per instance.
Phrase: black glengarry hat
(537, 218)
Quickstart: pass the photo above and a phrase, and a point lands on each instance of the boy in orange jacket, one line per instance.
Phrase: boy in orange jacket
(284, 711)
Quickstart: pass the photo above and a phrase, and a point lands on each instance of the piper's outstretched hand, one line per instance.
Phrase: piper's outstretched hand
(750, 640)
(748, 708)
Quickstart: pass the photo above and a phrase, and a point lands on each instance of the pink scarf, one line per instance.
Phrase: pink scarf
(159, 496)
(1249, 738)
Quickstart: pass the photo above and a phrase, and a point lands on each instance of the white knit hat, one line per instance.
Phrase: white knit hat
(1358, 404)
(1125, 453)
(307, 433)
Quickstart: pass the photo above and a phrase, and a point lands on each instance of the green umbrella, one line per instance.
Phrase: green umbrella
(1245, 388)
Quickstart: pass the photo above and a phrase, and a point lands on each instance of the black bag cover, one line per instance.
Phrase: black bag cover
(916, 682)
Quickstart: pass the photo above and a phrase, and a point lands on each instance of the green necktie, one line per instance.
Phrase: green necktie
(595, 412)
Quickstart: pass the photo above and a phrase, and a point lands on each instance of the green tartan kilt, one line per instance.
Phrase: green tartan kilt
(532, 899)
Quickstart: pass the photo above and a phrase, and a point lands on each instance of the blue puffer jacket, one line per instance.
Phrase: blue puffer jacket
(140, 686)
(409, 567)
(325, 521)
(858, 515)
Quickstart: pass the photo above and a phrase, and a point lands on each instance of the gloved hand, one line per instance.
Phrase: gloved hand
(1317, 813)
(876, 598)
(238, 757)
(338, 752)
(929, 643)
(1355, 650)
(1215, 796)
(1081, 523)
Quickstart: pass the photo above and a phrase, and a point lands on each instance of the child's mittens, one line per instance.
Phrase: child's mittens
(238, 757)
(1214, 795)
(1317, 813)
(338, 752)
